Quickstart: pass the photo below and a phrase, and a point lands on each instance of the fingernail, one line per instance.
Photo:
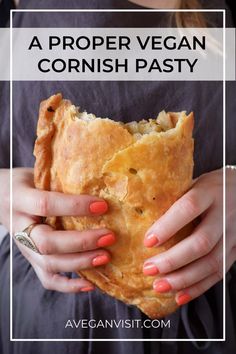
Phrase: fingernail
(150, 269)
(100, 260)
(183, 299)
(87, 288)
(161, 286)
(151, 240)
(106, 240)
(98, 207)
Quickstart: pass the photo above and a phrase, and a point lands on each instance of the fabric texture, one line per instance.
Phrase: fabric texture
(5, 7)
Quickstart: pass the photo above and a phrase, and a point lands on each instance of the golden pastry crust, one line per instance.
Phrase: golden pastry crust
(140, 169)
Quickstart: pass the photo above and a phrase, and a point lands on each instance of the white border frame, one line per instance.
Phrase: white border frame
(223, 11)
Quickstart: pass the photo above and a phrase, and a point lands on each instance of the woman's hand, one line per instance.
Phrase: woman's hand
(195, 264)
(61, 251)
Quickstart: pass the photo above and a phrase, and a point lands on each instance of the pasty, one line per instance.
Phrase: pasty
(139, 168)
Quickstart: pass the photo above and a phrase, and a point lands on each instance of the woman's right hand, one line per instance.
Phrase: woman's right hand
(61, 251)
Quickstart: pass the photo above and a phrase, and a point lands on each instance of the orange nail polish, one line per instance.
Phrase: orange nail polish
(100, 260)
(150, 269)
(106, 240)
(87, 288)
(183, 299)
(98, 207)
(151, 240)
(161, 286)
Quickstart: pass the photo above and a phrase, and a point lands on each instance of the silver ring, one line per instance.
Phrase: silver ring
(24, 238)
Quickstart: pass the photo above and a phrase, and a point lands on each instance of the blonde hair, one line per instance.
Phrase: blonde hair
(190, 19)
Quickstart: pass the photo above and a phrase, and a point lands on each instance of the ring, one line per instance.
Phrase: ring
(24, 238)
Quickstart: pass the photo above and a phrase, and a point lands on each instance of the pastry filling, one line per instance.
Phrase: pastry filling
(163, 122)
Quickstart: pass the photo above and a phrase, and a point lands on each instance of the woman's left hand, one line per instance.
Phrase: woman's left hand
(196, 263)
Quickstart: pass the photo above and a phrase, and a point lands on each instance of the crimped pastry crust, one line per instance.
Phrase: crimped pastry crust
(140, 169)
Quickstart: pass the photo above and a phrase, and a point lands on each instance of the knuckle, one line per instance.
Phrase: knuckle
(214, 264)
(47, 265)
(182, 283)
(202, 244)
(84, 244)
(43, 204)
(43, 245)
(219, 275)
(189, 204)
(76, 204)
(46, 284)
(220, 270)
(169, 264)
(199, 289)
